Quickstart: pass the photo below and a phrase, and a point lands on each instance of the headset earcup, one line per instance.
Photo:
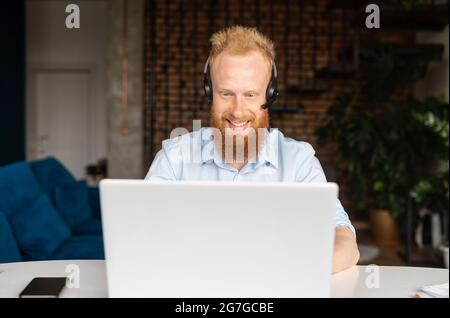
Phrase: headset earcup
(207, 88)
(271, 92)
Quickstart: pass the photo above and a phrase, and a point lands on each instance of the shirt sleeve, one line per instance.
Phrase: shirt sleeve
(161, 169)
(310, 170)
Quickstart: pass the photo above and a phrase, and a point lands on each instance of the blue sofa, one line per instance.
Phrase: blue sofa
(46, 214)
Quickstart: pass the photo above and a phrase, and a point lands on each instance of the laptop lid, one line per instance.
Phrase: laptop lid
(218, 239)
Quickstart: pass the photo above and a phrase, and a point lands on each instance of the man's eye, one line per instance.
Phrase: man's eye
(251, 95)
(226, 94)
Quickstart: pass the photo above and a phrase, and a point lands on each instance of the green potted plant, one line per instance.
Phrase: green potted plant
(385, 152)
(382, 137)
(431, 193)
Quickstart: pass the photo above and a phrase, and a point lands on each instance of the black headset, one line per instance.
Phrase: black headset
(271, 91)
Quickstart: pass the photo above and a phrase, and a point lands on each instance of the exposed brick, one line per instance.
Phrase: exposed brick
(302, 46)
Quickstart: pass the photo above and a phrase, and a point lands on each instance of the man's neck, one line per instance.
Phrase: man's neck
(238, 166)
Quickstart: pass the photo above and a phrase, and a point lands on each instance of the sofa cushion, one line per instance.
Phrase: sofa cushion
(18, 187)
(50, 173)
(38, 228)
(9, 251)
(93, 226)
(94, 201)
(72, 202)
(81, 247)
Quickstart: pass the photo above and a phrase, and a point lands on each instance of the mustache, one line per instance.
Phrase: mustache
(231, 117)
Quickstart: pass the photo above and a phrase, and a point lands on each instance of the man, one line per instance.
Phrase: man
(240, 80)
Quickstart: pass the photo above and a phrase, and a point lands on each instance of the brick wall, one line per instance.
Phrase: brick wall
(308, 36)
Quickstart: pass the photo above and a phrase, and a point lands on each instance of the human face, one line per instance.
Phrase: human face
(239, 89)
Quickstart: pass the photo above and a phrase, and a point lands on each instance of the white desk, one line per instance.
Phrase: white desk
(359, 281)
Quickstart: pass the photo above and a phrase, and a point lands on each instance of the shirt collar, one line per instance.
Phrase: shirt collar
(207, 142)
(269, 152)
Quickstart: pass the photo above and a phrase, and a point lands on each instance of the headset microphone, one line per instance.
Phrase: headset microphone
(265, 106)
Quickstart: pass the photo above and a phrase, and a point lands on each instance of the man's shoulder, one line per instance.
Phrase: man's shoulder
(292, 146)
(186, 142)
(176, 142)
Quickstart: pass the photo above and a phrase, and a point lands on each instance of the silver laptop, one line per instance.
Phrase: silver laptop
(218, 239)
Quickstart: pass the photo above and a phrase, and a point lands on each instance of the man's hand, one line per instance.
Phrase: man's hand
(346, 252)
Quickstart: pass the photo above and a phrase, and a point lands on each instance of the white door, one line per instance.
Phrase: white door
(62, 108)
(66, 106)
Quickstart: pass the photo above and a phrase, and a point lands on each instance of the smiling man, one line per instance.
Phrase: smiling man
(240, 85)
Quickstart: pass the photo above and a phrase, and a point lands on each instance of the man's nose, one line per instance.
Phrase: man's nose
(238, 106)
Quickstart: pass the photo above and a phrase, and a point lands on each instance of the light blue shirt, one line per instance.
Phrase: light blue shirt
(193, 157)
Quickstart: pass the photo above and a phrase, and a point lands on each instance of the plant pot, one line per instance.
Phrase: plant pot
(384, 228)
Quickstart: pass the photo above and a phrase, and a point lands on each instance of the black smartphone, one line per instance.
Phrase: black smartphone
(44, 287)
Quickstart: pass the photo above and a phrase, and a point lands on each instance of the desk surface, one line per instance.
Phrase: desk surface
(358, 281)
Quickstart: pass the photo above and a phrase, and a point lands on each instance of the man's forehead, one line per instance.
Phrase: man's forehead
(253, 59)
(242, 68)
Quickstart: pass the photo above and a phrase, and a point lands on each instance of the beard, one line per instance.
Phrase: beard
(240, 146)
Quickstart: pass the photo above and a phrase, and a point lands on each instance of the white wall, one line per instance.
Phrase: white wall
(51, 48)
(96, 49)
